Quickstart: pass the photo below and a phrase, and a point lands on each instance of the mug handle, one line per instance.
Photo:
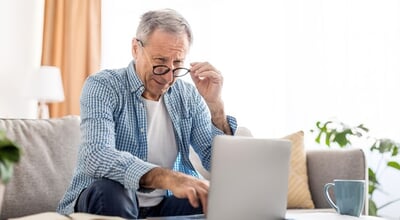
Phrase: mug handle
(328, 197)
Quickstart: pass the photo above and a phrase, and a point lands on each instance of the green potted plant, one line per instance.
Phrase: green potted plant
(10, 154)
(386, 149)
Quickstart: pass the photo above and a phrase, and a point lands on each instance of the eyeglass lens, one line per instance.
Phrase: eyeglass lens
(162, 69)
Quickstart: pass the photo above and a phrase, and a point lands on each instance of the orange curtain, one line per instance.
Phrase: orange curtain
(71, 41)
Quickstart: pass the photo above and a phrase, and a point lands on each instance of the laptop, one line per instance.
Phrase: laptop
(249, 179)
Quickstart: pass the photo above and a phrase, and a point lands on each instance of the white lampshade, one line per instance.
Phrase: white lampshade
(47, 85)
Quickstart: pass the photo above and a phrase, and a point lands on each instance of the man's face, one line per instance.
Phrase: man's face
(160, 49)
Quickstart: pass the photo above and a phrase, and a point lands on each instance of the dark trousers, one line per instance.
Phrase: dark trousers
(107, 197)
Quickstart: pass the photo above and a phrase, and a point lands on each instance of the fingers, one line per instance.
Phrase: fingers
(203, 197)
(201, 70)
(192, 188)
(198, 193)
(192, 197)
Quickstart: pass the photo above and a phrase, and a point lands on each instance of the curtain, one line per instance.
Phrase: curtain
(71, 41)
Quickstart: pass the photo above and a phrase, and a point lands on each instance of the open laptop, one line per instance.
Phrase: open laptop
(249, 179)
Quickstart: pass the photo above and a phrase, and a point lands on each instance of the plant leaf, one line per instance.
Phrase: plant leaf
(6, 171)
(371, 189)
(394, 164)
(372, 208)
(328, 138)
(9, 151)
(341, 137)
(362, 127)
(374, 146)
(395, 151)
(372, 176)
(318, 138)
(318, 124)
(385, 145)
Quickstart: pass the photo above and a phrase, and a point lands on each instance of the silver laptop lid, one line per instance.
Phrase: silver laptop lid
(249, 178)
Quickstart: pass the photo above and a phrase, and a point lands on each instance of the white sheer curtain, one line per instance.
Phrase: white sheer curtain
(287, 64)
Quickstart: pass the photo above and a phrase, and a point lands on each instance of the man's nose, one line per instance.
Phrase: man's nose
(169, 76)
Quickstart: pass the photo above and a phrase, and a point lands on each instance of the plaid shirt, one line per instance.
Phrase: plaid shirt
(114, 131)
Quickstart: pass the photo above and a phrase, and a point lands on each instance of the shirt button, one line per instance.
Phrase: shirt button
(142, 130)
(141, 105)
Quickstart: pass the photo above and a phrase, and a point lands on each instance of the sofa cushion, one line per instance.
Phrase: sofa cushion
(323, 167)
(41, 177)
(299, 195)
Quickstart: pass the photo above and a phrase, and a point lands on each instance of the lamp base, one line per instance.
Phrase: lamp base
(43, 110)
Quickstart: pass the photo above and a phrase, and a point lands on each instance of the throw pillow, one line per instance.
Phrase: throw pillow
(299, 195)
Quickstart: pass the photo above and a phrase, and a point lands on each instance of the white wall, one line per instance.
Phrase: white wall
(289, 63)
(21, 25)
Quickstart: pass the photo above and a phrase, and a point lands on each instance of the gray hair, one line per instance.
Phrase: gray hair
(167, 20)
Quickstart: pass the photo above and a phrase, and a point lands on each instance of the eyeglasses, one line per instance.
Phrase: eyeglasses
(164, 69)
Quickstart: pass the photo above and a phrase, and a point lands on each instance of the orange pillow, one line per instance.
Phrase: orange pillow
(299, 195)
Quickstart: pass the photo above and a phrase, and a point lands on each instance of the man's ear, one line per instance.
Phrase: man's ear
(135, 47)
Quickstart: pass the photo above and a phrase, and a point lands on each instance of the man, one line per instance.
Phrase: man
(138, 124)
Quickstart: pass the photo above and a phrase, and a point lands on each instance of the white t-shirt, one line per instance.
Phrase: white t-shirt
(162, 148)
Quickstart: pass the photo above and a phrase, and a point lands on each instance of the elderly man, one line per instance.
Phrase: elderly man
(138, 124)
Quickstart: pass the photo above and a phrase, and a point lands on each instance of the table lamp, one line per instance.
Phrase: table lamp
(47, 88)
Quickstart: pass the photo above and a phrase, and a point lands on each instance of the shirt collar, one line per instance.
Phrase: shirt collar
(135, 83)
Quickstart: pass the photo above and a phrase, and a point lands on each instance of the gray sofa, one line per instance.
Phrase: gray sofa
(50, 149)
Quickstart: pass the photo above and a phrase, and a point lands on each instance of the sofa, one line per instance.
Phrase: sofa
(50, 149)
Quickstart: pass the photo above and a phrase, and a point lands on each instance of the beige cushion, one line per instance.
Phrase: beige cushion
(49, 155)
(299, 195)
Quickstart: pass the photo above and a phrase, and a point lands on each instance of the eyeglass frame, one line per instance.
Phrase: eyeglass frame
(167, 69)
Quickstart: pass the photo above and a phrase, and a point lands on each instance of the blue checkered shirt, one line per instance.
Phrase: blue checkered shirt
(114, 131)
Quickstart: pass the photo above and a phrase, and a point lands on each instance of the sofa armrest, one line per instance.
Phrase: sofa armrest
(50, 148)
(323, 166)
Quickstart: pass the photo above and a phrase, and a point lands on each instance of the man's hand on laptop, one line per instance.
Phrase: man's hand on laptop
(181, 185)
(195, 190)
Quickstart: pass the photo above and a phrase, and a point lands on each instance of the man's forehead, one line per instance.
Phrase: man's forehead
(160, 37)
